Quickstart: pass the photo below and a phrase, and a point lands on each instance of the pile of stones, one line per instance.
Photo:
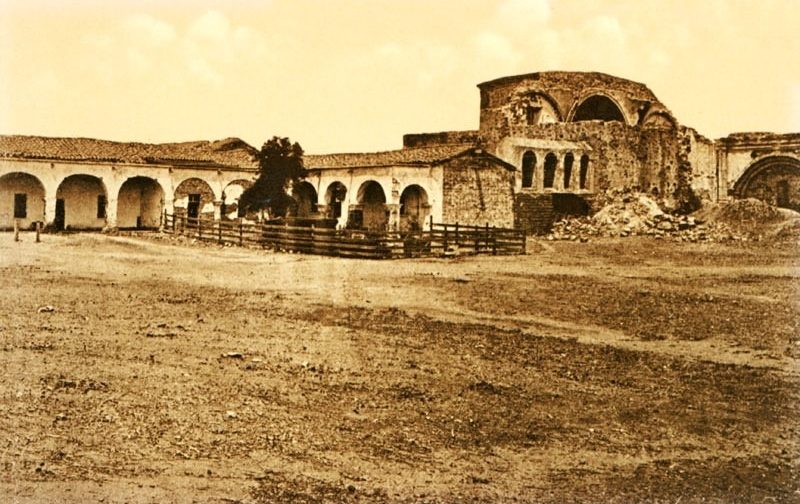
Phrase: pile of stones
(633, 215)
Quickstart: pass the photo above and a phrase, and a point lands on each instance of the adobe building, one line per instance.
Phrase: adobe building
(547, 144)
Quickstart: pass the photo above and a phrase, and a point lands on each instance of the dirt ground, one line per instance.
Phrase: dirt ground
(620, 370)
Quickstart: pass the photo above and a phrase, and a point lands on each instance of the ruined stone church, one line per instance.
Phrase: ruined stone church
(547, 144)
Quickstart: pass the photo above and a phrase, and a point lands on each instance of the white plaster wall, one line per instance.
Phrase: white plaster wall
(139, 198)
(29, 185)
(80, 202)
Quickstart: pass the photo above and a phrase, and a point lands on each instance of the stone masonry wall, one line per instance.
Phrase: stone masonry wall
(476, 191)
(622, 157)
(412, 140)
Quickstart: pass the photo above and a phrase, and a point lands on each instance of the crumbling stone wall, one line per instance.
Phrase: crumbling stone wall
(478, 190)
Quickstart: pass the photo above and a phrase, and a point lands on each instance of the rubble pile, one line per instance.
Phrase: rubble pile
(640, 215)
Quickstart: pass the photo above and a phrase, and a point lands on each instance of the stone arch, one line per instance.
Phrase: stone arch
(772, 179)
(528, 169)
(550, 164)
(414, 208)
(22, 199)
(540, 108)
(194, 198)
(374, 214)
(305, 195)
(335, 196)
(229, 207)
(598, 107)
(569, 160)
(140, 203)
(81, 202)
(583, 174)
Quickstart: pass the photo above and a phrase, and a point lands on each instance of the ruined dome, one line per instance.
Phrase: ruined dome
(546, 97)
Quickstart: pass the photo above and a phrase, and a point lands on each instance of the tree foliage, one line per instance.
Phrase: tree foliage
(280, 164)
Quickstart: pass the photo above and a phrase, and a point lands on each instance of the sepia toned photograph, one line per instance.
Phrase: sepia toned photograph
(399, 251)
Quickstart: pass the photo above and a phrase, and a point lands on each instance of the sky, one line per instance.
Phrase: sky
(355, 75)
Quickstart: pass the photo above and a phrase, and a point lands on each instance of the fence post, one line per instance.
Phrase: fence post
(494, 241)
(431, 217)
(241, 233)
(219, 230)
(445, 237)
(199, 228)
(16, 230)
(524, 242)
(38, 231)
(457, 241)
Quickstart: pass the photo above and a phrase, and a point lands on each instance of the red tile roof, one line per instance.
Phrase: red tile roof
(408, 157)
(230, 152)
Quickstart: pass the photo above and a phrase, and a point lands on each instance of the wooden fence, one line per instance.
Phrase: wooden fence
(439, 240)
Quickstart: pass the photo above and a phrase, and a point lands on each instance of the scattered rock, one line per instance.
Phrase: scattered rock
(45, 309)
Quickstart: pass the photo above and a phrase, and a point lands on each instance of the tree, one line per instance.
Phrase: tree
(280, 164)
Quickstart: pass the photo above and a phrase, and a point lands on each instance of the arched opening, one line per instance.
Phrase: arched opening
(774, 180)
(194, 198)
(528, 168)
(598, 108)
(371, 211)
(140, 203)
(305, 196)
(414, 208)
(334, 198)
(569, 160)
(81, 202)
(21, 199)
(229, 208)
(550, 162)
(584, 171)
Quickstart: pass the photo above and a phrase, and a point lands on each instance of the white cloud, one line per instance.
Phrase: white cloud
(208, 49)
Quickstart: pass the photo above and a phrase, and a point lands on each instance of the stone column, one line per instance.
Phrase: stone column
(49, 211)
(394, 217)
(111, 214)
(217, 209)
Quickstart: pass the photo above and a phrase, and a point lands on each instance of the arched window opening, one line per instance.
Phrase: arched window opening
(528, 168)
(550, 162)
(584, 171)
(569, 159)
(373, 213)
(598, 108)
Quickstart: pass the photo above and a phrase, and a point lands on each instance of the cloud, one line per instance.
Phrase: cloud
(208, 49)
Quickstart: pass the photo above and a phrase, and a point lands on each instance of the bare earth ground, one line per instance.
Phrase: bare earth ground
(614, 371)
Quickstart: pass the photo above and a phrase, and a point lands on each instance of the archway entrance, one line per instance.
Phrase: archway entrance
(194, 198)
(21, 199)
(81, 203)
(230, 209)
(305, 196)
(372, 204)
(414, 208)
(774, 180)
(335, 196)
(140, 203)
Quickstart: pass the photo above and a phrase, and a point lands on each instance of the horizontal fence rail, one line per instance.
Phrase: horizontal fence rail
(439, 240)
